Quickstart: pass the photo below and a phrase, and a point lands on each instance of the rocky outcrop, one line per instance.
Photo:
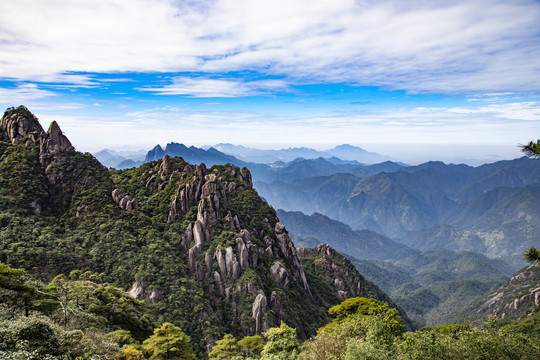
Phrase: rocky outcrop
(20, 126)
(123, 200)
(54, 142)
(340, 272)
(258, 311)
(139, 290)
(19, 123)
(341, 279)
(221, 244)
(517, 298)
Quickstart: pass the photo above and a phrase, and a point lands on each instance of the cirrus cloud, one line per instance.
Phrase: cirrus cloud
(444, 46)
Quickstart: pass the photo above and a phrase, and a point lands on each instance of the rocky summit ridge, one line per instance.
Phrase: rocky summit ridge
(198, 243)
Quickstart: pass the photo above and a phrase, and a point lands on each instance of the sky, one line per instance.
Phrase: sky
(457, 81)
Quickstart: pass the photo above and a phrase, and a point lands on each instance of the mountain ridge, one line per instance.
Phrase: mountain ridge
(197, 242)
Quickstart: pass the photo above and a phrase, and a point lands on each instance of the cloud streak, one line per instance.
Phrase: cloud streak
(433, 47)
(207, 87)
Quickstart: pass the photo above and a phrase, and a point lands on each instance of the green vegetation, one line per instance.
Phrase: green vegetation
(532, 149)
(69, 252)
(532, 255)
(434, 287)
(78, 317)
(168, 342)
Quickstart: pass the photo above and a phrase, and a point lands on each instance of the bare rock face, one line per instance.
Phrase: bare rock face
(137, 290)
(188, 195)
(18, 123)
(258, 311)
(124, 201)
(280, 274)
(517, 298)
(54, 142)
(289, 251)
(155, 296)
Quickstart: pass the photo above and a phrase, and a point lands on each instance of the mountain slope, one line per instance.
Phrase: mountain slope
(433, 287)
(197, 242)
(342, 280)
(362, 244)
(516, 299)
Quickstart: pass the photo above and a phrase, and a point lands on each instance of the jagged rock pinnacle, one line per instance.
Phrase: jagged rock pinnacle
(18, 123)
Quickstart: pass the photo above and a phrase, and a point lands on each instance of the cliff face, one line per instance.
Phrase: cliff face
(334, 278)
(517, 298)
(234, 246)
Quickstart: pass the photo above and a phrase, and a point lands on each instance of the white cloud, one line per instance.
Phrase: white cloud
(206, 87)
(23, 93)
(526, 110)
(445, 46)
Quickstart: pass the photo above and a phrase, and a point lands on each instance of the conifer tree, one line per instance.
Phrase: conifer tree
(168, 342)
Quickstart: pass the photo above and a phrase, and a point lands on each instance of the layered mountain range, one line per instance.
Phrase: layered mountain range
(491, 209)
(197, 242)
(236, 154)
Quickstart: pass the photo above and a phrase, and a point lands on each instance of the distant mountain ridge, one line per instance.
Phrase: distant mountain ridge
(193, 155)
(493, 205)
(344, 152)
(362, 244)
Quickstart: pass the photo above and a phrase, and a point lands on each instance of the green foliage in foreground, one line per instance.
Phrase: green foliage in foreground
(368, 329)
(79, 317)
(532, 149)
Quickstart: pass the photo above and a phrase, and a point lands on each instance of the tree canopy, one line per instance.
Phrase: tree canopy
(532, 149)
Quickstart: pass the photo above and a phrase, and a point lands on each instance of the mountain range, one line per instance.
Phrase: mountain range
(490, 209)
(344, 152)
(198, 243)
(222, 154)
(201, 248)
(433, 286)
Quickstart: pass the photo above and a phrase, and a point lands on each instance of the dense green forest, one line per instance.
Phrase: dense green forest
(81, 317)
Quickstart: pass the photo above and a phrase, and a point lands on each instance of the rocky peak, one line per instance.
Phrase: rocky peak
(224, 248)
(54, 141)
(339, 270)
(18, 123)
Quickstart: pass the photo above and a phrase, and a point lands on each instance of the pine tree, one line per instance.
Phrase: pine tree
(168, 342)
(532, 149)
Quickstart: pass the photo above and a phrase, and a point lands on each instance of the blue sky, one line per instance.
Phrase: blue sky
(452, 80)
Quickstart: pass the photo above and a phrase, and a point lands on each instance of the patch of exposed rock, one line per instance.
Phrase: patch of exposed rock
(517, 298)
(19, 124)
(139, 290)
(123, 200)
